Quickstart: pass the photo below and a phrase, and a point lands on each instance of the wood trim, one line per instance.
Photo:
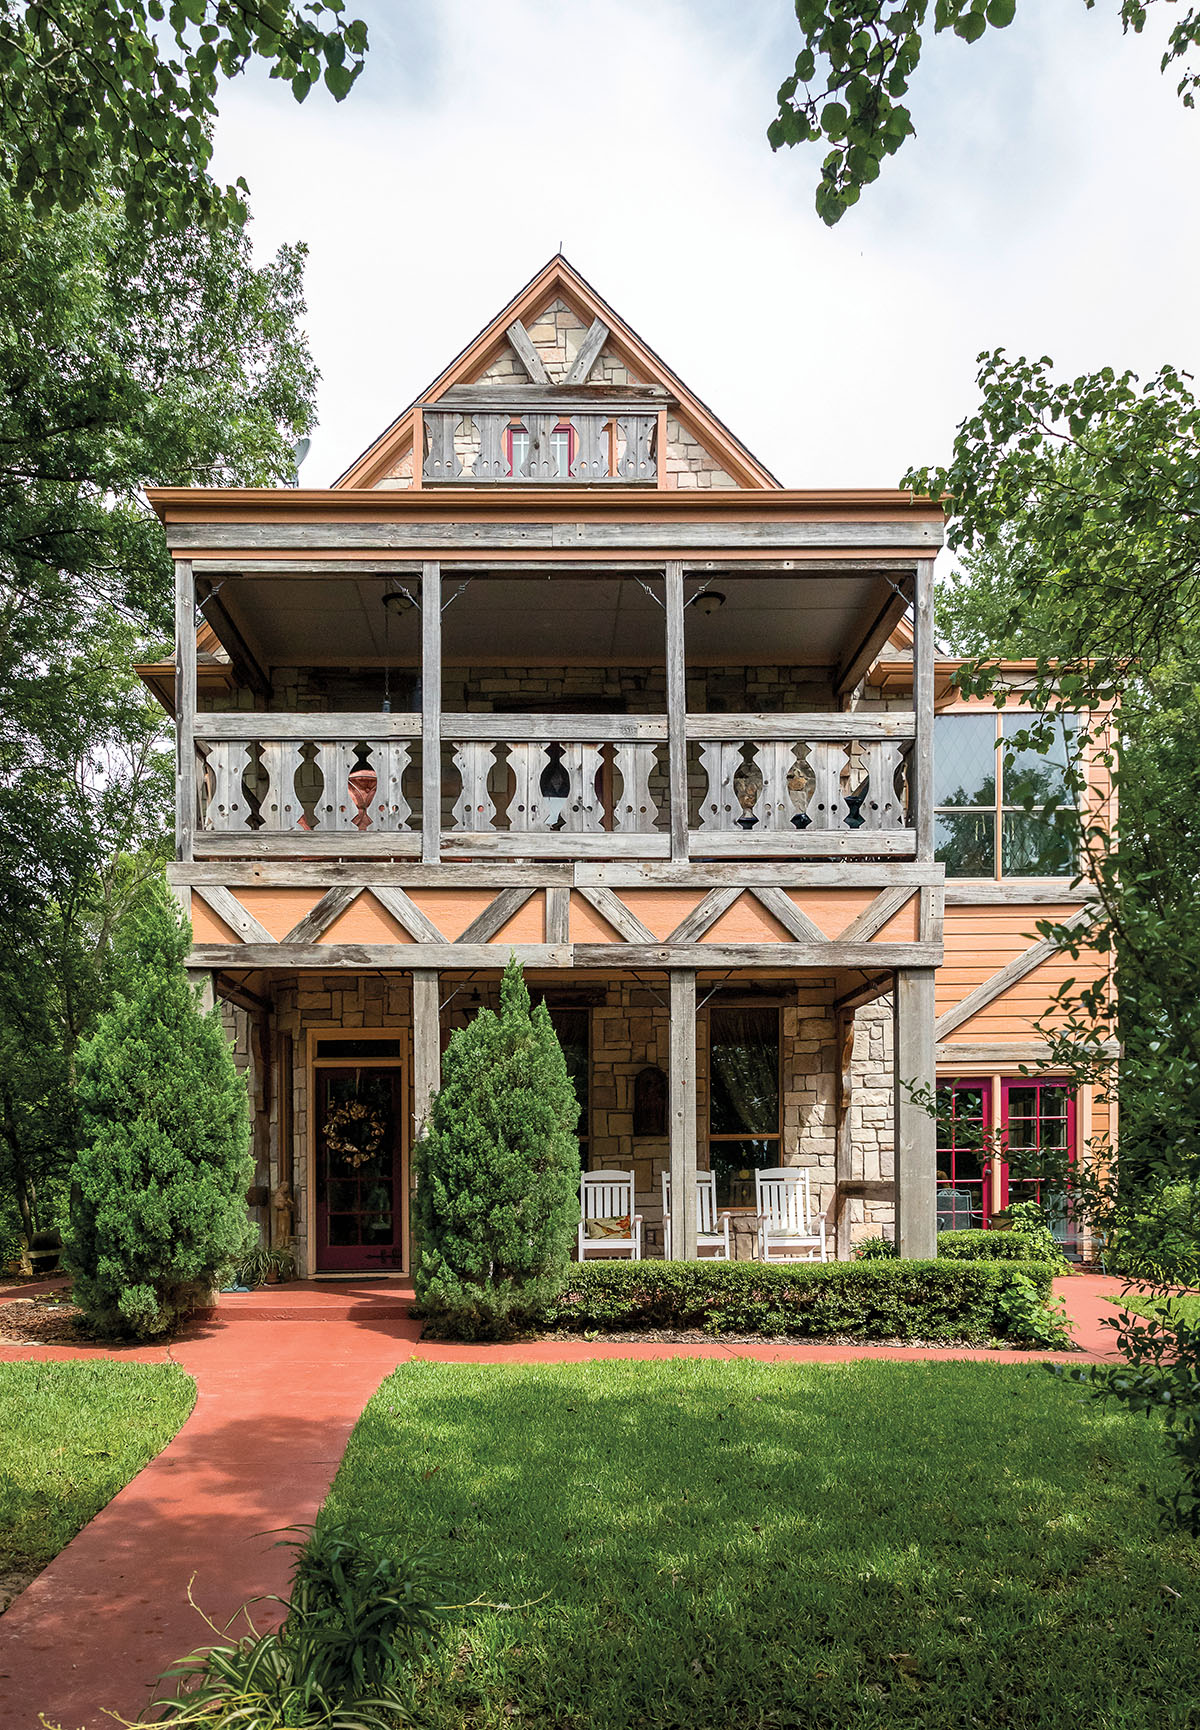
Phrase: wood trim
(859, 662)
(787, 958)
(185, 709)
(431, 711)
(494, 917)
(876, 916)
(682, 1129)
(1015, 892)
(406, 912)
(276, 848)
(561, 729)
(998, 984)
(521, 343)
(612, 908)
(588, 353)
(558, 915)
(228, 908)
(677, 773)
(989, 1054)
(793, 919)
(244, 663)
(257, 724)
(319, 918)
(821, 843)
(580, 874)
(705, 914)
(856, 724)
(921, 762)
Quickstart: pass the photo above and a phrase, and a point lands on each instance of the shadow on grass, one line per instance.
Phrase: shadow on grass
(698, 1543)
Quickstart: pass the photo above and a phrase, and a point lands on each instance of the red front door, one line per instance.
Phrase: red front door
(359, 1212)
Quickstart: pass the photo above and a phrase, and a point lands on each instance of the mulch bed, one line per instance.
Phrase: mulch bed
(42, 1321)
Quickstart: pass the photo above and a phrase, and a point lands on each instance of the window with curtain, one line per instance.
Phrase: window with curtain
(1003, 812)
(744, 1128)
(573, 1027)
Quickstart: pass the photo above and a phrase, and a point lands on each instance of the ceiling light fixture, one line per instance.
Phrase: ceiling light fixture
(709, 602)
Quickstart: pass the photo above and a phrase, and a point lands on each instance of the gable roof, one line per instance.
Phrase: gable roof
(559, 280)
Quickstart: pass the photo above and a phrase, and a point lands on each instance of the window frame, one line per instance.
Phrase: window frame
(1033, 1185)
(721, 1137)
(517, 426)
(981, 1084)
(999, 809)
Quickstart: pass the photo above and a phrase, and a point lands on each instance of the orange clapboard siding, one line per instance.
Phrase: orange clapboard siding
(979, 942)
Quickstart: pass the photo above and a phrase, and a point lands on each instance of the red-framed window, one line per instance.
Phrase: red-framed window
(964, 1182)
(1038, 1141)
(518, 439)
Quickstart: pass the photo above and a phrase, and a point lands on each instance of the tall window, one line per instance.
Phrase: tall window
(991, 815)
(963, 1174)
(574, 1027)
(744, 1129)
(1039, 1145)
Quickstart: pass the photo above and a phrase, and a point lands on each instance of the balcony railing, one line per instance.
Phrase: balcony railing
(536, 447)
(554, 786)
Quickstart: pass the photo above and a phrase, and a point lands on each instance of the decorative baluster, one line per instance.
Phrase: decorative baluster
(336, 809)
(280, 808)
(228, 808)
(492, 462)
(776, 759)
(441, 459)
(528, 764)
(637, 460)
(880, 807)
(390, 809)
(584, 811)
(473, 809)
(541, 454)
(635, 811)
(720, 759)
(592, 448)
(827, 808)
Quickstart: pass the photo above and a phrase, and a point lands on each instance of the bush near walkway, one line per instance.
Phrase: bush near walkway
(864, 1300)
(160, 1206)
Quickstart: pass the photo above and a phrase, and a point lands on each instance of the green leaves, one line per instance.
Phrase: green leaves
(121, 94)
(853, 72)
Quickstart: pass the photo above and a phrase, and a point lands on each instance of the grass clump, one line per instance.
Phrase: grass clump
(710, 1543)
(71, 1436)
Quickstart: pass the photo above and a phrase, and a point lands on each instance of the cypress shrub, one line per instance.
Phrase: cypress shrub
(159, 1212)
(498, 1174)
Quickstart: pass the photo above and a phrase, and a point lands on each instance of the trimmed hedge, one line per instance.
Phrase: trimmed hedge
(989, 1246)
(906, 1300)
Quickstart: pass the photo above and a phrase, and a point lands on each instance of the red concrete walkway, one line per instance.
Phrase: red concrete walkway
(281, 1377)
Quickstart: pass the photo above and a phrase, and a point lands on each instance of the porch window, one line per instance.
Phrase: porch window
(991, 818)
(963, 1171)
(1039, 1147)
(744, 1128)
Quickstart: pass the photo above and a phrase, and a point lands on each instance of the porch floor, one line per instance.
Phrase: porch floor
(275, 1406)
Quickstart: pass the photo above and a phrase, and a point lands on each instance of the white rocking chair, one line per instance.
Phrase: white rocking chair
(608, 1225)
(787, 1227)
(712, 1232)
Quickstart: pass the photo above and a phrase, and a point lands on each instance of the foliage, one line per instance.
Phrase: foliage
(73, 1435)
(1023, 1244)
(356, 1617)
(122, 93)
(497, 1173)
(1159, 1238)
(871, 1300)
(259, 1263)
(876, 1249)
(707, 1543)
(1031, 1319)
(160, 1216)
(852, 76)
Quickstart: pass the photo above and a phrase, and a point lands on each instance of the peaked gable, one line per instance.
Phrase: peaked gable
(557, 331)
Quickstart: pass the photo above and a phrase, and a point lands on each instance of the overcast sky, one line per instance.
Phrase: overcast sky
(1048, 204)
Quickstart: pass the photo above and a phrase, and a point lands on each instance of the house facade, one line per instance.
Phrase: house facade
(558, 669)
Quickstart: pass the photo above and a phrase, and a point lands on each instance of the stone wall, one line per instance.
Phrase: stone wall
(871, 1119)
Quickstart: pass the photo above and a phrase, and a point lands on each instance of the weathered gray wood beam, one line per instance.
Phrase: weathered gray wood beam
(228, 908)
(775, 534)
(842, 843)
(269, 846)
(319, 918)
(410, 874)
(705, 914)
(558, 729)
(376, 957)
(563, 398)
(522, 346)
(589, 353)
(558, 915)
(431, 710)
(920, 767)
(705, 957)
(185, 709)
(859, 724)
(858, 663)
(750, 873)
(405, 910)
(877, 986)
(250, 724)
(915, 1127)
(486, 924)
(677, 772)
(681, 1072)
(245, 662)
(876, 916)
(1016, 892)
(994, 1054)
(612, 908)
(781, 906)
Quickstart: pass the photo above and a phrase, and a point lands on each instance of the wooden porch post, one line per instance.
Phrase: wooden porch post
(426, 1074)
(677, 781)
(916, 1131)
(683, 1115)
(185, 709)
(923, 664)
(839, 1210)
(431, 711)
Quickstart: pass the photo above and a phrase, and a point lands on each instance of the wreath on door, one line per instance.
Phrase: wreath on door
(355, 1133)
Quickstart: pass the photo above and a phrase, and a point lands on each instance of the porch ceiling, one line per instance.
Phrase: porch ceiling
(815, 620)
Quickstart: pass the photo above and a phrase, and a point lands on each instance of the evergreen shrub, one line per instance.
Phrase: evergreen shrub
(497, 1174)
(998, 1246)
(871, 1300)
(159, 1215)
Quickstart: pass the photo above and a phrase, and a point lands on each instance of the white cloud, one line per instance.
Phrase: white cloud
(1048, 204)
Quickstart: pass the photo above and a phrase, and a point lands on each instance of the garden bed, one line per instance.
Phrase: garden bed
(46, 1320)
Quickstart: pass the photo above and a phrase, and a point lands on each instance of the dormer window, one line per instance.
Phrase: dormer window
(518, 442)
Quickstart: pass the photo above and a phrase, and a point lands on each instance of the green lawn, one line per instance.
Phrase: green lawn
(1187, 1307)
(71, 1436)
(739, 1545)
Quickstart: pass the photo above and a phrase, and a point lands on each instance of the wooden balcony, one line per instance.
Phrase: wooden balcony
(541, 446)
(586, 787)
